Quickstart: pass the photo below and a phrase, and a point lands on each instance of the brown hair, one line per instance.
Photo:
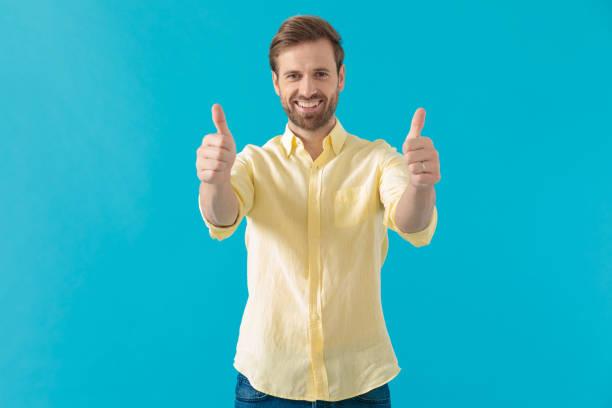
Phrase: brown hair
(304, 28)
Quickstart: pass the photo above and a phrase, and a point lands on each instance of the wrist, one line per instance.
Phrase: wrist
(420, 189)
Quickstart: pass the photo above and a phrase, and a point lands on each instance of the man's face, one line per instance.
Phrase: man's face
(308, 84)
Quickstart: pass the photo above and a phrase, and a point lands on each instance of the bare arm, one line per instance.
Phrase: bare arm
(214, 161)
(415, 209)
(219, 203)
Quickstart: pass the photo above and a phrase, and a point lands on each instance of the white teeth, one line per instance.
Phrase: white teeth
(308, 104)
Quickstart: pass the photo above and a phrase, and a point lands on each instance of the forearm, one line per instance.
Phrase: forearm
(219, 203)
(415, 209)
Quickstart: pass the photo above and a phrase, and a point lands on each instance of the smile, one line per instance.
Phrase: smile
(310, 106)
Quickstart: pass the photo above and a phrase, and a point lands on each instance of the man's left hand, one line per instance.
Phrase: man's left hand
(420, 155)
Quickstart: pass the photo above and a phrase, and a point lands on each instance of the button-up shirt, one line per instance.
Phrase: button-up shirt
(316, 239)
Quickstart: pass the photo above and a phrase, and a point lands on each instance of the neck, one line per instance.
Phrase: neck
(313, 137)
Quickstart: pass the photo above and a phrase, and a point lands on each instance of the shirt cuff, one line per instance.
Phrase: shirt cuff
(221, 232)
(417, 238)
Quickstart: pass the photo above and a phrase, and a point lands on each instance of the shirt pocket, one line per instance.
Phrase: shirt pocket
(352, 205)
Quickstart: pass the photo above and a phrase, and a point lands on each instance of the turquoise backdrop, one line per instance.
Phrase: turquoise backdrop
(112, 293)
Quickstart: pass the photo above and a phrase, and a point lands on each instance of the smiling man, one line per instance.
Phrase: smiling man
(318, 202)
(309, 85)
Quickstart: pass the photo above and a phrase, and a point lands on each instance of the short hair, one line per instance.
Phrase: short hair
(304, 28)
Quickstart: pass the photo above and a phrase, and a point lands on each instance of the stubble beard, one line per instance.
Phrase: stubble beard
(312, 121)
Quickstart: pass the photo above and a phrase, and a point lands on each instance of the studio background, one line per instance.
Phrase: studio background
(112, 293)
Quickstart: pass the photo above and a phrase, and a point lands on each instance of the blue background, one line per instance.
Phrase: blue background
(112, 293)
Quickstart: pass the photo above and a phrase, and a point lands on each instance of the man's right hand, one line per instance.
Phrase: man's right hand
(216, 155)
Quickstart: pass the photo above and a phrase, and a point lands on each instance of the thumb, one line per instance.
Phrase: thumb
(418, 121)
(218, 118)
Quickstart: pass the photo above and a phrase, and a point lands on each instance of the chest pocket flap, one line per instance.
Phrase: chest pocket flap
(352, 205)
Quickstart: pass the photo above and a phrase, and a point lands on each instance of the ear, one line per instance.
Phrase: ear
(275, 83)
(341, 75)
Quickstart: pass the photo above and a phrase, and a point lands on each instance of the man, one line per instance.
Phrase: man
(318, 202)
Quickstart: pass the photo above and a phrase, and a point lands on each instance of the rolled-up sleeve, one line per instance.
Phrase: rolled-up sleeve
(394, 179)
(242, 183)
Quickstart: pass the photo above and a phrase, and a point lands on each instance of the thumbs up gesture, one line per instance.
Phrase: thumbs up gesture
(215, 157)
(420, 155)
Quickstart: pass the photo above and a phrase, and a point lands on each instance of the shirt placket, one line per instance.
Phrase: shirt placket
(319, 373)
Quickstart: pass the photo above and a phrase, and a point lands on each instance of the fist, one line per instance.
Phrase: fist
(420, 155)
(216, 155)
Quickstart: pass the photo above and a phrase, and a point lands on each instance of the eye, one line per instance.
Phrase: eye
(291, 76)
(322, 74)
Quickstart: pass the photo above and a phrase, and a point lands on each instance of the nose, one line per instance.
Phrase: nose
(307, 87)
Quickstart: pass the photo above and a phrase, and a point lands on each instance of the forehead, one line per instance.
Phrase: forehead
(306, 56)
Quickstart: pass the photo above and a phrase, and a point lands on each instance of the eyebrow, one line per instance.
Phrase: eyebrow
(297, 72)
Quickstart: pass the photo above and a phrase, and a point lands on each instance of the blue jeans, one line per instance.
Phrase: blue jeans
(249, 397)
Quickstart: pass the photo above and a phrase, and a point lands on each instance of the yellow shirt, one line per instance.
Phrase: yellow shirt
(316, 239)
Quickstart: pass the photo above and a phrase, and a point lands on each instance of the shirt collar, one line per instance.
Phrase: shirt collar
(337, 136)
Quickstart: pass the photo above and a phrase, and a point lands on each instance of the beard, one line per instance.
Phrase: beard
(315, 120)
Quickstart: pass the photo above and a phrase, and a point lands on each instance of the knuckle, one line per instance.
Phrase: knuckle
(211, 138)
